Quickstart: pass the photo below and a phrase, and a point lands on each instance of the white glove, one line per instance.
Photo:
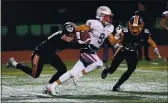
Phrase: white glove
(118, 32)
(156, 50)
(118, 45)
(119, 29)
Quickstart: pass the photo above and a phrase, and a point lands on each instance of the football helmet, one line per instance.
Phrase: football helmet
(69, 28)
(104, 14)
(136, 24)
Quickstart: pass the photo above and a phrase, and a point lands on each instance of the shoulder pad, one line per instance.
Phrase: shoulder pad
(165, 14)
(125, 30)
(94, 24)
(146, 31)
(110, 28)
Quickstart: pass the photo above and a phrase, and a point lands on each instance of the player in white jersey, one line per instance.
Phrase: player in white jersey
(99, 30)
(164, 18)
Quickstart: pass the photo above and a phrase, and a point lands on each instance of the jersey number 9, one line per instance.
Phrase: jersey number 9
(101, 38)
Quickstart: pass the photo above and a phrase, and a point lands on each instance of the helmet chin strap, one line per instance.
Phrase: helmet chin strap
(106, 23)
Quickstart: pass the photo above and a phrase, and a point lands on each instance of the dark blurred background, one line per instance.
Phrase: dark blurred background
(27, 23)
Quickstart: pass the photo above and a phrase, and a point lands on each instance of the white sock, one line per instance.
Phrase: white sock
(14, 63)
(53, 85)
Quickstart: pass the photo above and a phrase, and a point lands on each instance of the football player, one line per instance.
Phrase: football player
(133, 37)
(45, 53)
(164, 18)
(98, 30)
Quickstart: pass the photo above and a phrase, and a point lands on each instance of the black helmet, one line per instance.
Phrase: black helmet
(136, 24)
(68, 28)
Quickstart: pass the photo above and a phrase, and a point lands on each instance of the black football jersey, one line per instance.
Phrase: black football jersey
(133, 42)
(53, 43)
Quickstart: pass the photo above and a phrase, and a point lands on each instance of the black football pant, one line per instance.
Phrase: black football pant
(38, 60)
(146, 51)
(131, 59)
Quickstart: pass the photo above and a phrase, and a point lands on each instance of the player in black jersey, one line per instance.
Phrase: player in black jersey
(45, 53)
(133, 37)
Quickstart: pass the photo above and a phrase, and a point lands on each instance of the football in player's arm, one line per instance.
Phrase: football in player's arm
(130, 39)
(85, 27)
(99, 29)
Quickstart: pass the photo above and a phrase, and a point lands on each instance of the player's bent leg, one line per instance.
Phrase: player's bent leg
(122, 79)
(94, 66)
(21, 66)
(70, 74)
(11, 63)
(58, 64)
(117, 59)
(132, 61)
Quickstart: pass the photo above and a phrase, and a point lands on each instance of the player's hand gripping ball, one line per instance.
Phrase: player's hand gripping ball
(84, 35)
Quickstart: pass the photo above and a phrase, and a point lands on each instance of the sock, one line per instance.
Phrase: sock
(53, 85)
(14, 63)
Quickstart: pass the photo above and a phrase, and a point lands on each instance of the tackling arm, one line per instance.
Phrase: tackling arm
(83, 28)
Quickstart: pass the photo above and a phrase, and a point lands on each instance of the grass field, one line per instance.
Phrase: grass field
(148, 84)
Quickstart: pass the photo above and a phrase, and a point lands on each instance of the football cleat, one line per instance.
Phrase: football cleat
(104, 73)
(117, 89)
(45, 90)
(11, 63)
(51, 91)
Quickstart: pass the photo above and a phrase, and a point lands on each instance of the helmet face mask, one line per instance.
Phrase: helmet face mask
(136, 25)
(104, 14)
(69, 29)
(107, 19)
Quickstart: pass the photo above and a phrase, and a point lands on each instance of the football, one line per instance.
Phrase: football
(84, 35)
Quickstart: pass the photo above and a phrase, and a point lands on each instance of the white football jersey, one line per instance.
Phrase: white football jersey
(165, 14)
(99, 32)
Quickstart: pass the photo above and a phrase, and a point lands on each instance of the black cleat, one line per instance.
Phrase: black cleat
(117, 89)
(104, 73)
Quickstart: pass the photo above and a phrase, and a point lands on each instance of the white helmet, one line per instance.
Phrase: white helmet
(104, 14)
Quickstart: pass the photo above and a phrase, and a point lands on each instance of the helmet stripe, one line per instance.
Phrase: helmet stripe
(136, 19)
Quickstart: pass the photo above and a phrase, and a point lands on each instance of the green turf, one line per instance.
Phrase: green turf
(148, 84)
(162, 65)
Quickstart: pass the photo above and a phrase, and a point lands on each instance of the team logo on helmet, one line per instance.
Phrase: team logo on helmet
(70, 28)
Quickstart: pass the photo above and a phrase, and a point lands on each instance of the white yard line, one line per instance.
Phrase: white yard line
(40, 94)
(22, 90)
